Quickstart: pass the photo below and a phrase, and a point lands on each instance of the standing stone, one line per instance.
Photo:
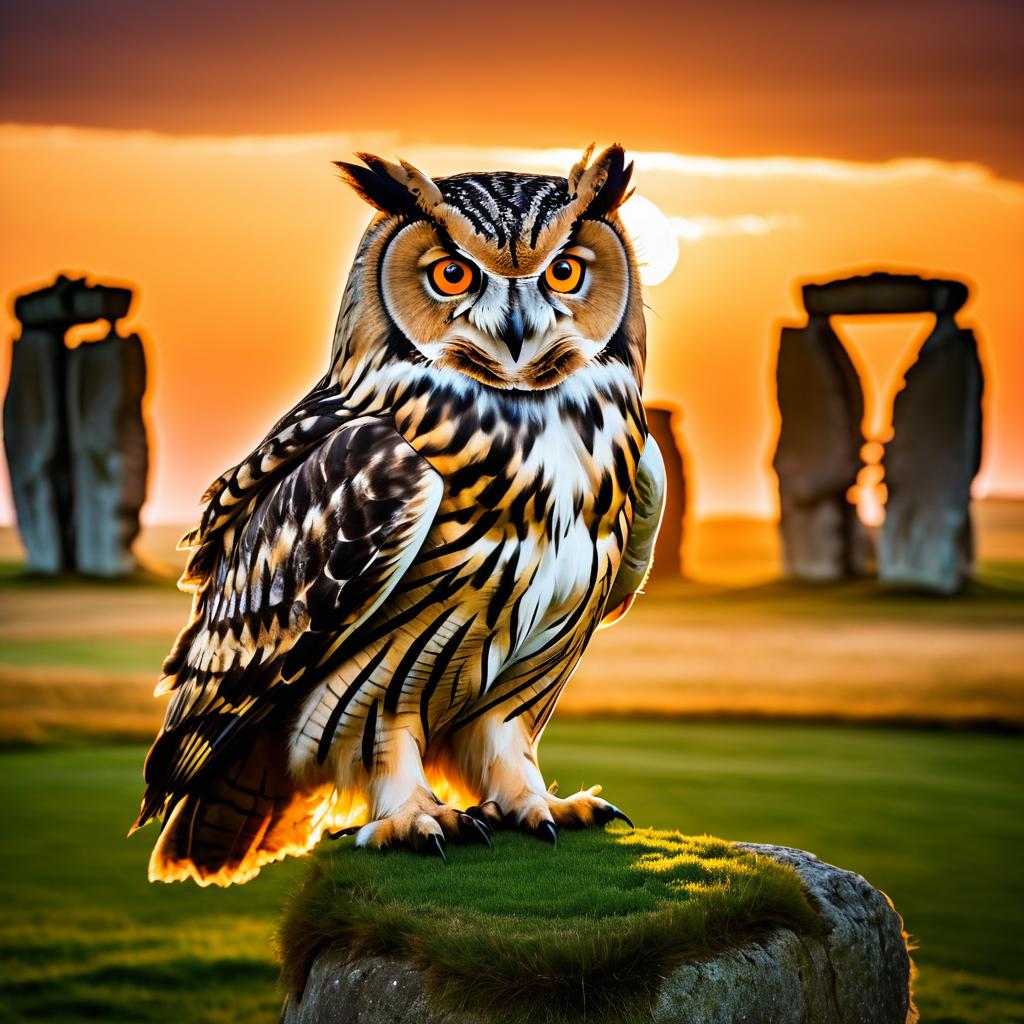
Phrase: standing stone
(930, 463)
(32, 426)
(106, 382)
(818, 454)
(669, 547)
(73, 432)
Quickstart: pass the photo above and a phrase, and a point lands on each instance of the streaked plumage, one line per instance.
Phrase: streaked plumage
(391, 592)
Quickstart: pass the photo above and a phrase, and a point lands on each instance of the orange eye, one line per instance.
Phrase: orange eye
(565, 274)
(451, 276)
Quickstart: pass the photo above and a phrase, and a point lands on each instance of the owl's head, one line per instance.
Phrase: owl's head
(515, 280)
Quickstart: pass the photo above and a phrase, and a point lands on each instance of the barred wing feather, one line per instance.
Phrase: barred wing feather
(310, 556)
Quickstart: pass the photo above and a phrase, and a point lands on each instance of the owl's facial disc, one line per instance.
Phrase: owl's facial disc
(529, 332)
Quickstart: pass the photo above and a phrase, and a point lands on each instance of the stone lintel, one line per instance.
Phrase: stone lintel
(883, 292)
(72, 301)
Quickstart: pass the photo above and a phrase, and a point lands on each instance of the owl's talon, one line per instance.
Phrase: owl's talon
(435, 846)
(610, 812)
(584, 809)
(485, 834)
(546, 832)
(489, 813)
(475, 830)
(341, 833)
(425, 825)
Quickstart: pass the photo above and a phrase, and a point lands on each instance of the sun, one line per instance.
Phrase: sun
(656, 244)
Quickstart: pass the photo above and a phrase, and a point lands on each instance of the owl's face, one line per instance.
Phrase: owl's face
(515, 280)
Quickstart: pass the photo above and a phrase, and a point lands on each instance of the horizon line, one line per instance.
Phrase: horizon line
(778, 165)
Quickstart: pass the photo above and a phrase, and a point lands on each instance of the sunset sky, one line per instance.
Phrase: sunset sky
(783, 144)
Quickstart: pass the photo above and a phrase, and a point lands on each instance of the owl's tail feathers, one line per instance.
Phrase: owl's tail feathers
(250, 816)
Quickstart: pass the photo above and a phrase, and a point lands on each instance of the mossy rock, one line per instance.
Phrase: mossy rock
(606, 927)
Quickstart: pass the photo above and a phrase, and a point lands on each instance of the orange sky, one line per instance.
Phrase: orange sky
(240, 246)
(870, 80)
(846, 136)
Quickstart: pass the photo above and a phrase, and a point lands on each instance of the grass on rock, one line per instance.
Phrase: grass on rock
(541, 932)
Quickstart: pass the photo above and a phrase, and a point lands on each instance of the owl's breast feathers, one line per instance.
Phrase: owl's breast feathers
(440, 514)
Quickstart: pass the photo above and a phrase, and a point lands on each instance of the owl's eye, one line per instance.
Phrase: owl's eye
(451, 276)
(565, 274)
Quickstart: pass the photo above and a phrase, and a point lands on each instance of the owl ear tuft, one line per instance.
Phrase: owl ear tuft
(398, 189)
(579, 168)
(603, 185)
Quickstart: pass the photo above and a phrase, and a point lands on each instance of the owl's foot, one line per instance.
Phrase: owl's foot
(425, 825)
(543, 814)
(584, 809)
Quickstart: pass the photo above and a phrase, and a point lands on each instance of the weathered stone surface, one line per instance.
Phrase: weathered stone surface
(818, 455)
(369, 990)
(36, 461)
(668, 550)
(109, 460)
(930, 463)
(859, 973)
(74, 433)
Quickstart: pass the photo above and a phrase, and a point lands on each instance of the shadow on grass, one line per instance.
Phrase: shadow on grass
(169, 988)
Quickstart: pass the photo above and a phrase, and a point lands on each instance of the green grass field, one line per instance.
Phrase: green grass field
(932, 818)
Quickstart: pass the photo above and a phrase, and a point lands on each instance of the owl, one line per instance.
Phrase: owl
(391, 592)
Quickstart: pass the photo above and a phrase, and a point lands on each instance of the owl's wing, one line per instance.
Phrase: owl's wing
(311, 555)
(649, 504)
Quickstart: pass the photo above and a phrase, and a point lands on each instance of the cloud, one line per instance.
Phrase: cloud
(797, 167)
(692, 229)
(901, 171)
(968, 176)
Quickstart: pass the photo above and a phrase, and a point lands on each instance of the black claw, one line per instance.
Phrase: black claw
(435, 845)
(485, 813)
(547, 832)
(481, 832)
(609, 812)
(342, 832)
(616, 813)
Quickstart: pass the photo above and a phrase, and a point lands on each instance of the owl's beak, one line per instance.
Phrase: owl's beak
(514, 330)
